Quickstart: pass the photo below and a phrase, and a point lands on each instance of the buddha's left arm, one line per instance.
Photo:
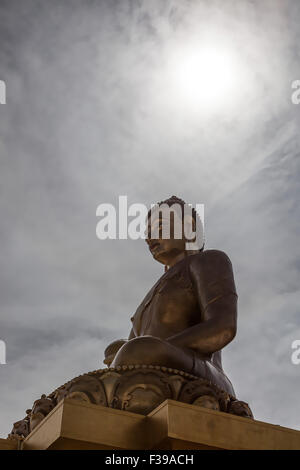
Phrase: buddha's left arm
(213, 281)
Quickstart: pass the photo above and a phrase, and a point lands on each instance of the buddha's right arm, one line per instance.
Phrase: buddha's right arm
(112, 349)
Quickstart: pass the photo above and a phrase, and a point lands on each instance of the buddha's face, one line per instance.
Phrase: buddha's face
(163, 244)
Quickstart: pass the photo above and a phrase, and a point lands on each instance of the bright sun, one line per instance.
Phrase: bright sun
(204, 78)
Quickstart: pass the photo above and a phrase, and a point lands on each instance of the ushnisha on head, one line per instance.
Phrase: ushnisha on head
(175, 230)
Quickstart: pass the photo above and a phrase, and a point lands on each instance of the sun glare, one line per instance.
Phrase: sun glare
(205, 77)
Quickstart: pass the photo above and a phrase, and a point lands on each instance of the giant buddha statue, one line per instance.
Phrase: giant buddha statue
(173, 350)
(189, 315)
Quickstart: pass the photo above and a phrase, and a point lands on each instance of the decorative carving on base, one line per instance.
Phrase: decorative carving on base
(136, 388)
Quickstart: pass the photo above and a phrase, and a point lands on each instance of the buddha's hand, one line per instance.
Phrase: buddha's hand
(112, 350)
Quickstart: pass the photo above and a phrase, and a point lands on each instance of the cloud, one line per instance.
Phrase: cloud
(92, 114)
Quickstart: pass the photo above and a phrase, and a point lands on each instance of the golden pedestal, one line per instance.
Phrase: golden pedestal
(172, 425)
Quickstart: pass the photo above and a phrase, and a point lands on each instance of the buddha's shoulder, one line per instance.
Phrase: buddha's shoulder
(209, 258)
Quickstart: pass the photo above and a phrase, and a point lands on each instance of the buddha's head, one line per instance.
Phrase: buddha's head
(171, 225)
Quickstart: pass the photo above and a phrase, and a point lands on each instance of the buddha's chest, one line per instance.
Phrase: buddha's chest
(169, 307)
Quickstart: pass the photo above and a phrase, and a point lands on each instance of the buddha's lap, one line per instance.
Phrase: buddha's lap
(149, 350)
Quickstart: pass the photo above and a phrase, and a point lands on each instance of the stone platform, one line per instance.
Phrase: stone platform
(138, 389)
(172, 425)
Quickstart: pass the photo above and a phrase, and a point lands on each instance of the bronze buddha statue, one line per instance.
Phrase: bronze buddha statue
(174, 348)
(188, 316)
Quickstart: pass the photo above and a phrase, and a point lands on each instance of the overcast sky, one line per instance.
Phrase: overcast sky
(94, 111)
